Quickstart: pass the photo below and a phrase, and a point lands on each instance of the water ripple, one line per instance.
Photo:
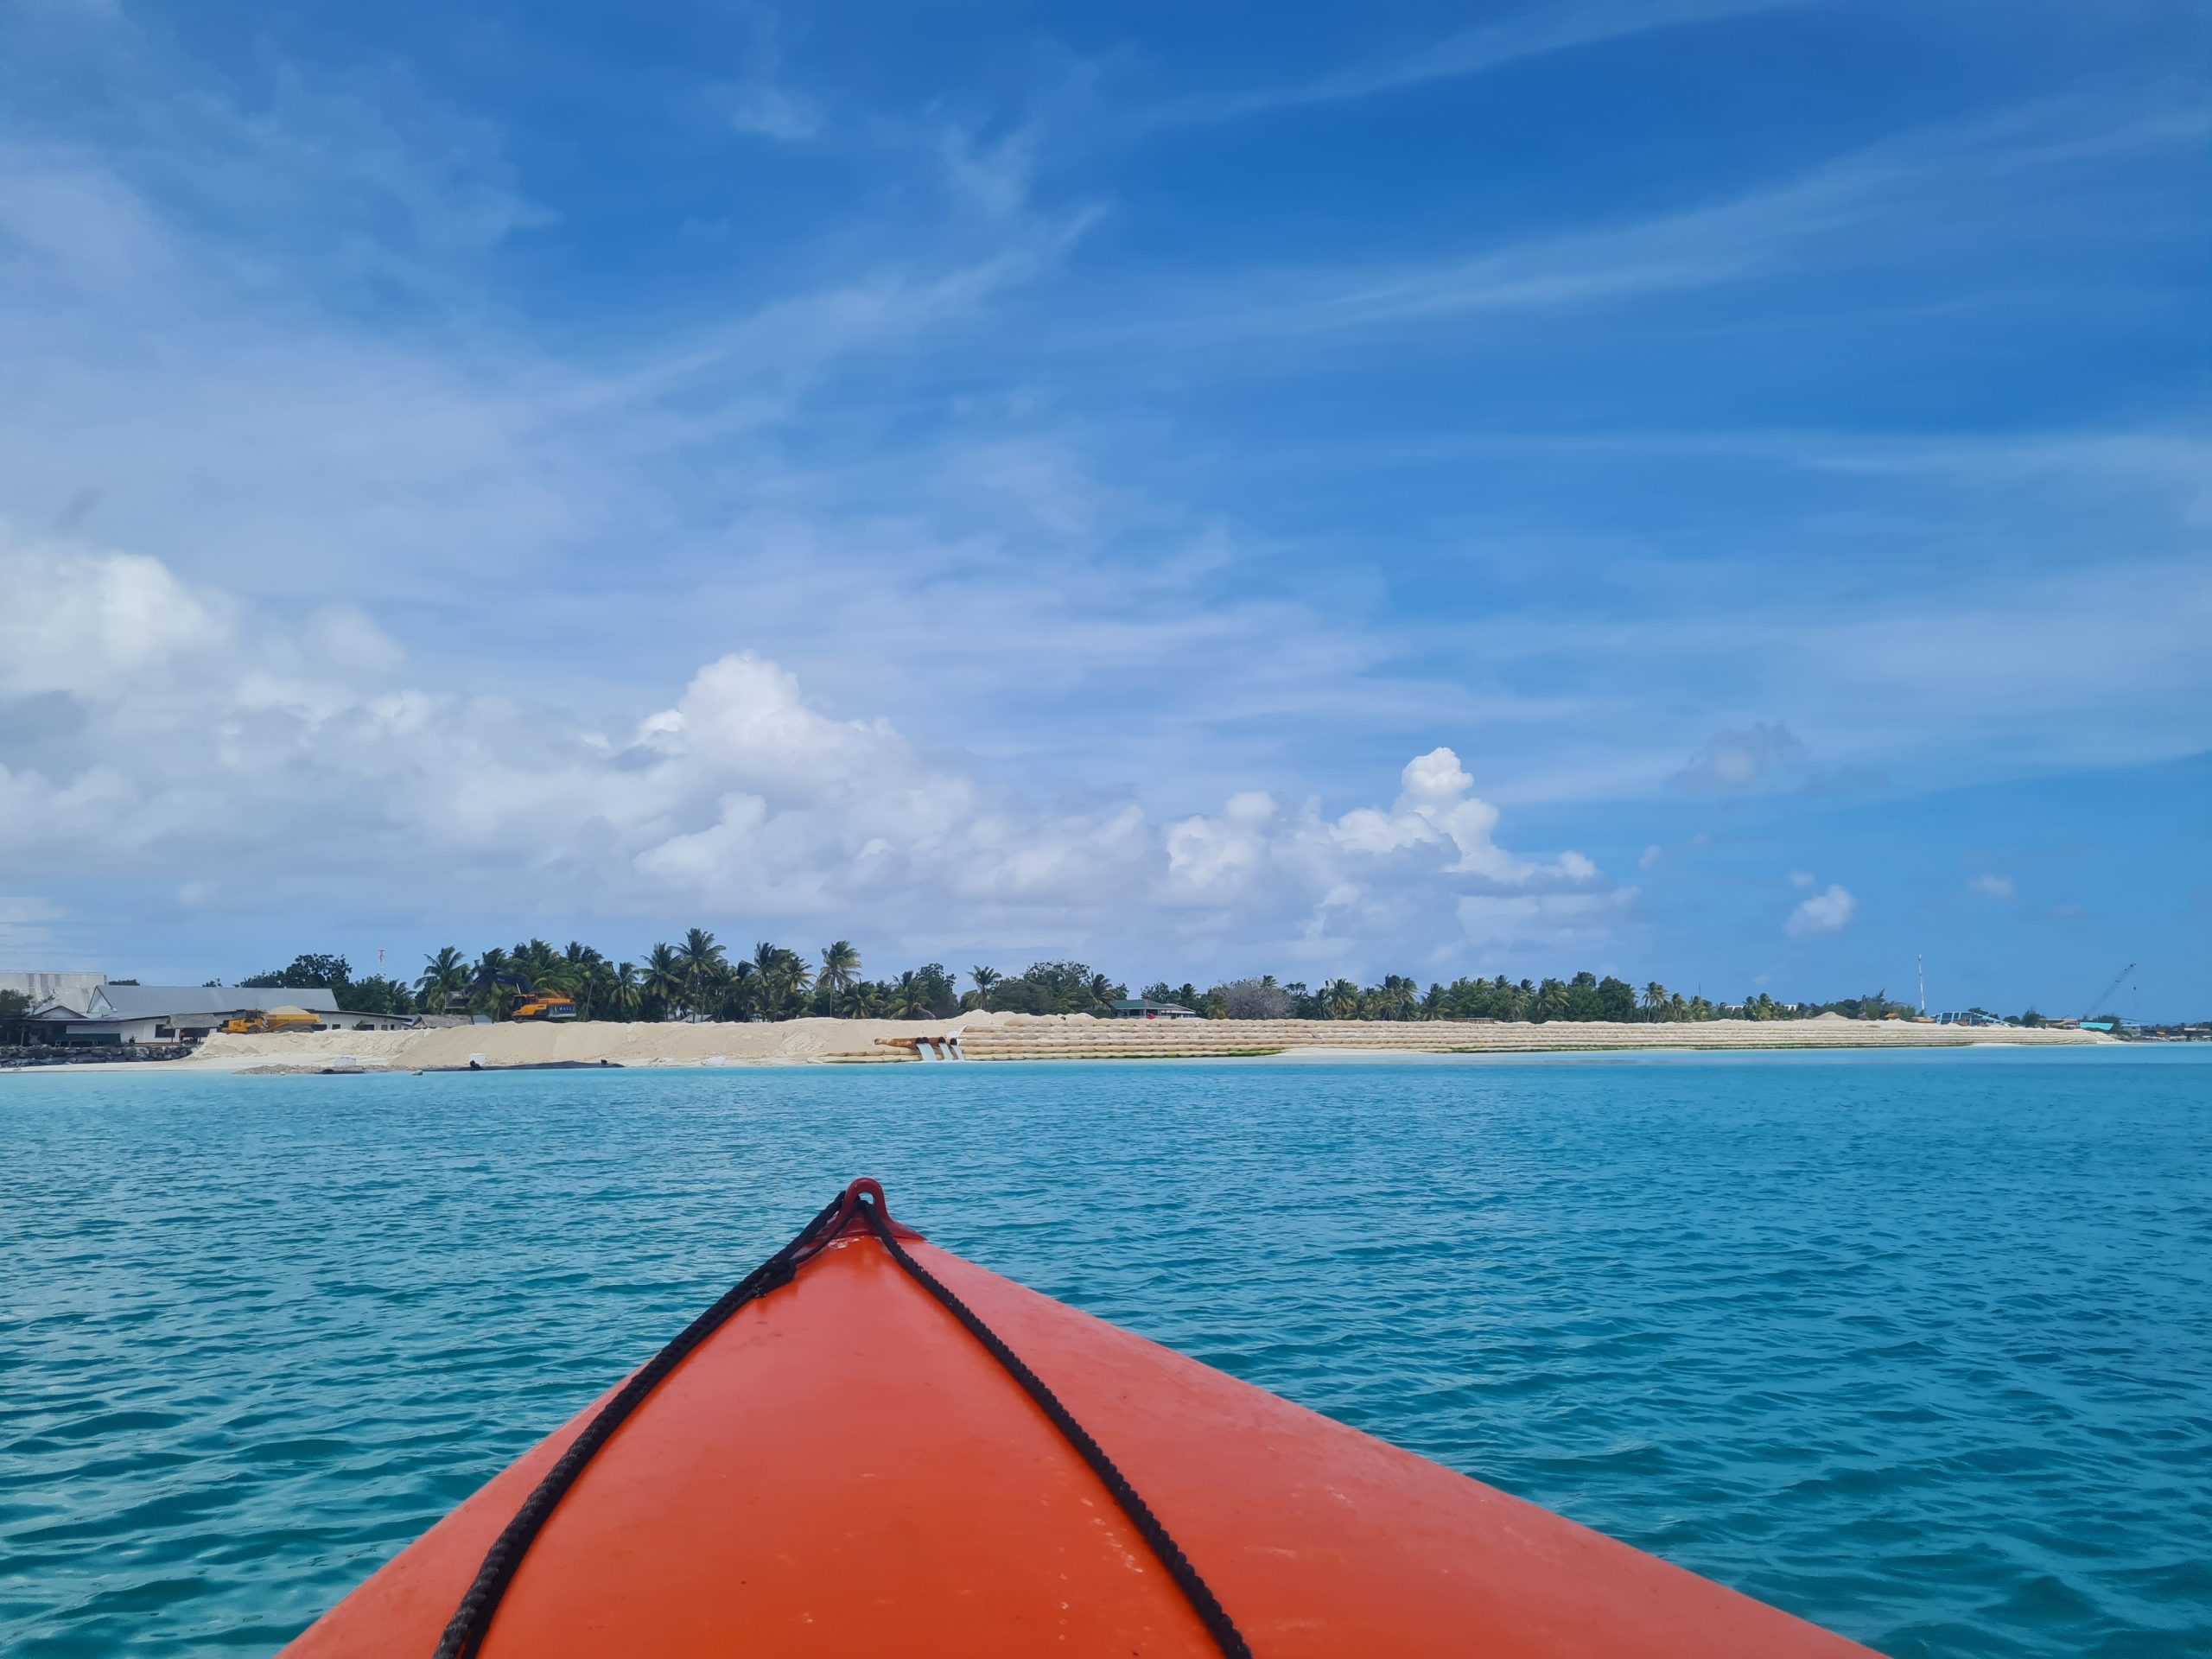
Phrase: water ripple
(1916, 1347)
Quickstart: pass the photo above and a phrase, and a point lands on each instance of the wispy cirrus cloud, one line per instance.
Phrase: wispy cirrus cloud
(761, 101)
(1874, 204)
(1737, 760)
(1080, 491)
(1541, 31)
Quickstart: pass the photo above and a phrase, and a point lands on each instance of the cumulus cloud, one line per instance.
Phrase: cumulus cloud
(1221, 855)
(1378, 872)
(210, 736)
(1824, 913)
(1993, 886)
(1438, 823)
(1733, 762)
(98, 625)
(1436, 808)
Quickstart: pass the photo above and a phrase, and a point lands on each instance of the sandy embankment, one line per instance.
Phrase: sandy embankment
(794, 1042)
(1024, 1037)
(1009, 1038)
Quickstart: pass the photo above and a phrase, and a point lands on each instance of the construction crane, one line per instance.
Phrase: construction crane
(2118, 979)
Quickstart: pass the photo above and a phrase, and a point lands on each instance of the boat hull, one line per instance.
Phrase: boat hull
(841, 1465)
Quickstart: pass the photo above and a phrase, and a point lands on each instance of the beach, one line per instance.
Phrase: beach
(988, 1037)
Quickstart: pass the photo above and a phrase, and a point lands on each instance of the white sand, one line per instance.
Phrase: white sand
(794, 1042)
(1011, 1036)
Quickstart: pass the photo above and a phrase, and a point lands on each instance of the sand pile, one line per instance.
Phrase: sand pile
(1031, 1037)
(794, 1042)
(1019, 1038)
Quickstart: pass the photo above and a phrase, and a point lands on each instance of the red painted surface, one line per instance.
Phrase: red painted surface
(842, 1469)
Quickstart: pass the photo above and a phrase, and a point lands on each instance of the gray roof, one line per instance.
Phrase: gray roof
(144, 1001)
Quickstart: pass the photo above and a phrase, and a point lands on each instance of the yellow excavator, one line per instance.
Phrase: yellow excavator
(286, 1018)
(533, 1004)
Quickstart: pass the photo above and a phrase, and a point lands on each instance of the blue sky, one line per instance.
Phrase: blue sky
(989, 483)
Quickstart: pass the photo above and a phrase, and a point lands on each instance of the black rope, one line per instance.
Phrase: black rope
(1204, 1602)
(464, 1633)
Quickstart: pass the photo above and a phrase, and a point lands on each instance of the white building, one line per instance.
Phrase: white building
(185, 1014)
(41, 986)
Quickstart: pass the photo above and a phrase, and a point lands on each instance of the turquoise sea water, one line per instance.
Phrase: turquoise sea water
(1917, 1346)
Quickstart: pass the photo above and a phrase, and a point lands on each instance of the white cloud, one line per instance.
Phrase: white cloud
(1732, 762)
(1436, 823)
(743, 794)
(1545, 921)
(344, 637)
(1993, 886)
(1535, 33)
(1435, 808)
(1801, 878)
(761, 102)
(1219, 855)
(89, 626)
(772, 112)
(260, 336)
(992, 179)
(1824, 913)
(1650, 857)
(1375, 873)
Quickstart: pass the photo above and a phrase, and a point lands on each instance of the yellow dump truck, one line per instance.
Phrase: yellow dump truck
(273, 1020)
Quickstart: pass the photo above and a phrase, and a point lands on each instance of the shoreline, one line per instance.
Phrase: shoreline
(987, 1037)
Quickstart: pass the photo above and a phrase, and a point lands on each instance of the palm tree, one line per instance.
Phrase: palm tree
(626, 993)
(665, 981)
(703, 960)
(1340, 998)
(442, 976)
(725, 992)
(487, 995)
(594, 988)
(540, 963)
(584, 974)
(1393, 999)
(792, 980)
(910, 998)
(841, 969)
(1654, 1000)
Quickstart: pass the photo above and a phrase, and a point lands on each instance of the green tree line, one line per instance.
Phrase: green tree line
(1584, 996)
(699, 978)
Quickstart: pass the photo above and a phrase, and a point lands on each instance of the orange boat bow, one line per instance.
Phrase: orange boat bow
(842, 1469)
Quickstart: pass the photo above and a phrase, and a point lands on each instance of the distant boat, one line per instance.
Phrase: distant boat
(850, 1453)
